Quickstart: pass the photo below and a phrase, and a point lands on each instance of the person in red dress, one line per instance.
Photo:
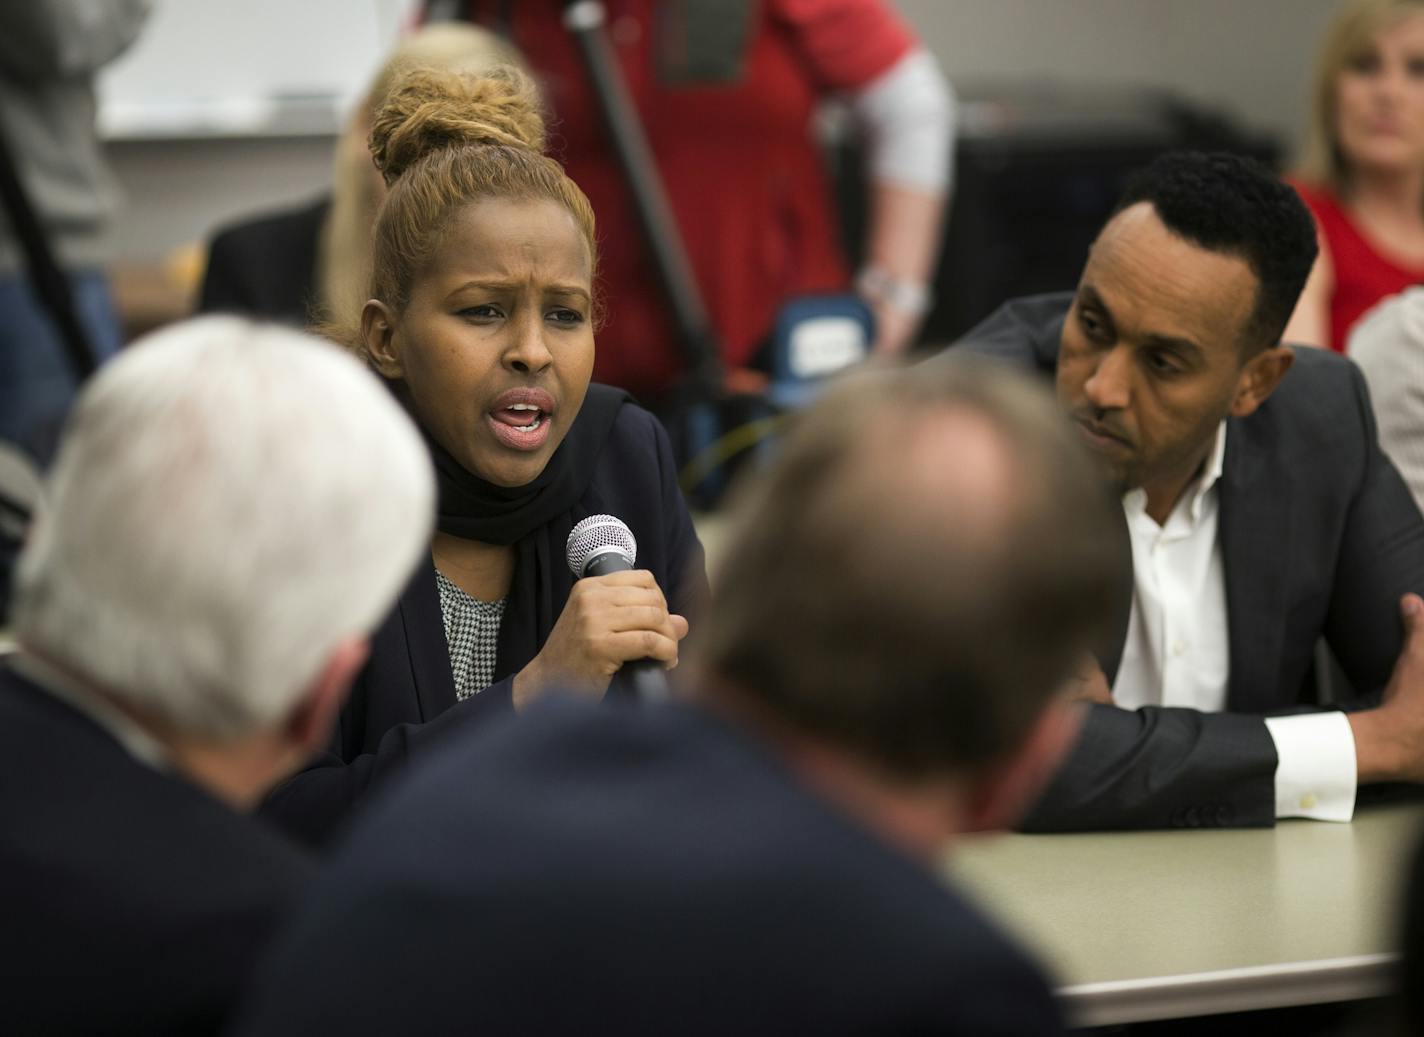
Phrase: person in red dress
(731, 129)
(1364, 174)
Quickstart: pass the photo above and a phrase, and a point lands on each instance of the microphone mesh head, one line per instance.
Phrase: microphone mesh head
(596, 535)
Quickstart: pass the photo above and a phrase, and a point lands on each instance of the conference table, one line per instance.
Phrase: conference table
(1136, 926)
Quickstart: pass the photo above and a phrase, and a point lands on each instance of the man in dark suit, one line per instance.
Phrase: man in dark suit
(1261, 512)
(759, 858)
(232, 511)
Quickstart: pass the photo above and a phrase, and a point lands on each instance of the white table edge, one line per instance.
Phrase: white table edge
(1229, 990)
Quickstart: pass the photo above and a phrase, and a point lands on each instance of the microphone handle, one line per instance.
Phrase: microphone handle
(647, 677)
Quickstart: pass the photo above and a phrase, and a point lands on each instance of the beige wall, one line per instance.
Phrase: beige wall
(1249, 58)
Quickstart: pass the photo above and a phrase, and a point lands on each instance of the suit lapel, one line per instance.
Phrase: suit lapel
(425, 637)
(1255, 528)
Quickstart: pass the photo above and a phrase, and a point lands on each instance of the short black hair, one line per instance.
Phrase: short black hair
(1227, 203)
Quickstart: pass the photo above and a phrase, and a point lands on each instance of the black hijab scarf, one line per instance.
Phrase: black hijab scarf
(536, 518)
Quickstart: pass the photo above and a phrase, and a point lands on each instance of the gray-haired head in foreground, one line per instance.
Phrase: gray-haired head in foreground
(230, 501)
(920, 569)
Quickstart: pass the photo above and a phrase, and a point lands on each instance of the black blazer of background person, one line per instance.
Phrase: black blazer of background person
(265, 267)
(1173, 328)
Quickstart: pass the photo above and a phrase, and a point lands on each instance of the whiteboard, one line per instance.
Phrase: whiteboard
(203, 68)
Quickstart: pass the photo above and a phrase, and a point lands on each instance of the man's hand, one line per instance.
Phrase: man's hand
(1087, 684)
(607, 621)
(1389, 739)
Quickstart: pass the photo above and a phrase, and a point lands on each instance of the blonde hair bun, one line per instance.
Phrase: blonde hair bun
(429, 110)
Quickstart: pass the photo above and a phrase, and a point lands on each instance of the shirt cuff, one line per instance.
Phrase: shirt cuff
(1315, 769)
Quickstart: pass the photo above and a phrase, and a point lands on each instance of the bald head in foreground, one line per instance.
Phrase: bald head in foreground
(232, 510)
(906, 590)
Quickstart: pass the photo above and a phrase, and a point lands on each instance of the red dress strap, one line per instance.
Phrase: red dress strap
(1363, 275)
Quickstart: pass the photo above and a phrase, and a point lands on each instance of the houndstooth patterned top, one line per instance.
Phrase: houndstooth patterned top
(472, 633)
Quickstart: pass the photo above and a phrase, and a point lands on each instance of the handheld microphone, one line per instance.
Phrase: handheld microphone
(603, 544)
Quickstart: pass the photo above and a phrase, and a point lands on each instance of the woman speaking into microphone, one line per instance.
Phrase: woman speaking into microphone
(481, 317)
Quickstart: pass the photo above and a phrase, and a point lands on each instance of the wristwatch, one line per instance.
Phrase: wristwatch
(912, 298)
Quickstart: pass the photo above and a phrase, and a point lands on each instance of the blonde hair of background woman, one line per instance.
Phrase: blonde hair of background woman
(344, 249)
(1351, 33)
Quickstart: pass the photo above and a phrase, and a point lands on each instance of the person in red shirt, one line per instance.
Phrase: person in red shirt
(726, 93)
(1364, 174)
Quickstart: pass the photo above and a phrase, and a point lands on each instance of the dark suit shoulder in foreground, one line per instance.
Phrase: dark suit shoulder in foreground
(632, 871)
(131, 901)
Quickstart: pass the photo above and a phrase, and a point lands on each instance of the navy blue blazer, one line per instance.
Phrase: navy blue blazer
(1319, 539)
(404, 699)
(130, 900)
(622, 870)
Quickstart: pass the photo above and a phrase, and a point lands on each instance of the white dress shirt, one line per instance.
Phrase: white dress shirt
(1178, 652)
